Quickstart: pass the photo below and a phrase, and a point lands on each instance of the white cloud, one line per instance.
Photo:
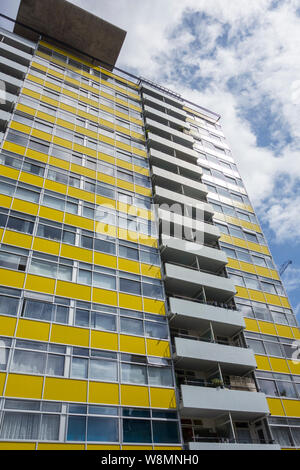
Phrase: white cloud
(261, 56)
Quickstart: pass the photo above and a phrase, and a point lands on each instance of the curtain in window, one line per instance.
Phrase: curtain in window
(49, 428)
(29, 361)
(20, 426)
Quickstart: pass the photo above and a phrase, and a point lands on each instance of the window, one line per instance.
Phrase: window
(136, 430)
(133, 373)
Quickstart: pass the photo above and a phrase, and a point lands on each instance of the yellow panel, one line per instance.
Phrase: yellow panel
(103, 296)
(157, 347)
(279, 365)
(105, 393)
(134, 395)
(65, 389)
(241, 292)
(2, 382)
(24, 206)
(163, 397)
(239, 242)
(267, 328)
(256, 295)
(105, 260)
(17, 446)
(12, 278)
(154, 306)
(70, 335)
(136, 447)
(292, 407)
(33, 330)
(102, 447)
(294, 366)
(128, 235)
(274, 274)
(275, 407)
(296, 332)
(74, 252)
(262, 362)
(9, 172)
(60, 163)
(41, 157)
(249, 268)
(31, 179)
(272, 299)
(105, 229)
(76, 291)
(233, 263)
(40, 284)
(57, 187)
(59, 446)
(14, 148)
(284, 302)
(78, 221)
(7, 325)
(62, 142)
(251, 325)
(130, 301)
(46, 246)
(151, 271)
(25, 386)
(265, 250)
(167, 448)
(132, 344)
(285, 331)
(17, 239)
(263, 271)
(104, 340)
(5, 201)
(51, 214)
(128, 265)
(81, 194)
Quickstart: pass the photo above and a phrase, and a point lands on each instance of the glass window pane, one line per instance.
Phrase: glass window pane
(104, 281)
(132, 287)
(160, 376)
(134, 373)
(103, 429)
(20, 426)
(76, 428)
(8, 305)
(103, 370)
(29, 361)
(104, 322)
(79, 367)
(38, 310)
(131, 326)
(55, 365)
(165, 431)
(105, 246)
(50, 428)
(136, 430)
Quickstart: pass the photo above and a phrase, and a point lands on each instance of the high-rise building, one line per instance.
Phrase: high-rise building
(140, 307)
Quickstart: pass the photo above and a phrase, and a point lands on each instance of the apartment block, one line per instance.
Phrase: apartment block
(140, 307)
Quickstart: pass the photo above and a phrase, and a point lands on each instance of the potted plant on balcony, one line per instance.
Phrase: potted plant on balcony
(217, 383)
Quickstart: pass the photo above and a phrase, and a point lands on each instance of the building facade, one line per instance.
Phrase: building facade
(140, 307)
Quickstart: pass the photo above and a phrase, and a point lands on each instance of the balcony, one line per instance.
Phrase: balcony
(162, 105)
(185, 252)
(178, 183)
(187, 282)
(186, 227)
(165, 131)
(162, 144)
(162, 94)
(167, 162)
(195, 354)
(165, 196)
(227, 444)
(164, 117)
(211, 402)
(199, 316)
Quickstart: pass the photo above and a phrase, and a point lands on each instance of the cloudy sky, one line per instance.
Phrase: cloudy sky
(240, 59)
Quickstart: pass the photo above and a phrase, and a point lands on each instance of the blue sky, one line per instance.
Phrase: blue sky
(240, 59)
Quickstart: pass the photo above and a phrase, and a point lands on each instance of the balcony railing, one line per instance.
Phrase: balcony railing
(212, 303)
(248, 385)
(207, 340)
